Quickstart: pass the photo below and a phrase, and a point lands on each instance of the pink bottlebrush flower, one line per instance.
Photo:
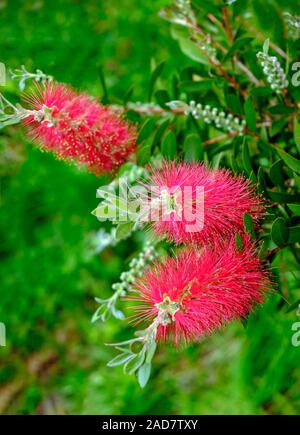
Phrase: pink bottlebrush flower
(76, 127)
(197, 215)
(200, 291)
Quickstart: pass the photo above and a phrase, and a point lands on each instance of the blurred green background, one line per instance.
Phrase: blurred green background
(55, 359)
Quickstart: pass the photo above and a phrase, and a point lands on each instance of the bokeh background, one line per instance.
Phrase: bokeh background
(55, 359)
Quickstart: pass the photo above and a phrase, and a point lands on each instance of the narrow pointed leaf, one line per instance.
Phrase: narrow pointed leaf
(279, 231)
(120, 359)
(144, 374)
(289, 160)
(297, 133)
(154, 76)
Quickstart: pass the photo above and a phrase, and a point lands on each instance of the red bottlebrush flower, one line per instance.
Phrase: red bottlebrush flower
(76, 127)
(204, 204)
(200, 291)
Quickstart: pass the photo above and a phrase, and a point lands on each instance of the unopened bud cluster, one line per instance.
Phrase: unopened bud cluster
(205, 45)
(185, 8)
(136, 268)
(21, 75)
(293, 23)
(182, 14)
(273, 71)
(227, 122)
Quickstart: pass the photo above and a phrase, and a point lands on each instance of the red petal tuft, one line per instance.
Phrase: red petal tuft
(80, 129)
(214, 286)
(226, 199)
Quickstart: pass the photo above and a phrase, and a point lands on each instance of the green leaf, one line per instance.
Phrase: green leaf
(261, 179)
(293, 307)
(296, 253)
(150, 351)
(297, 180)
(276, 173)
(289, 160)
(191, 50)
(268, 20)
(266, 46)
(216, 160)
(195, 86)
(250, 114)
(277, 127)
(128, 95)
(120, 359)
(244, 322)
(282, 197)
(118, 314)
(209, 7)
(147, 129)
(281, 109)
(246, 158)
(169, 146)
(248, 224)
(132, 116)
(122, 343)
(279, 231)
(124, 229)
(261, 91)
(124, 350)
(102, 313)
(104, 98)
(264, 133)
(162, 97)
(239, 244)
(145, 139)
(253, 177)
(263, 250)
(143, 374)
(240, 43)
(192, 147)
(133, 365)
(154, 76)
(159, 132)
(297, 133)
(295, 208)
(11, 121)
(144, 152)
(294, 234)
(232, 99)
